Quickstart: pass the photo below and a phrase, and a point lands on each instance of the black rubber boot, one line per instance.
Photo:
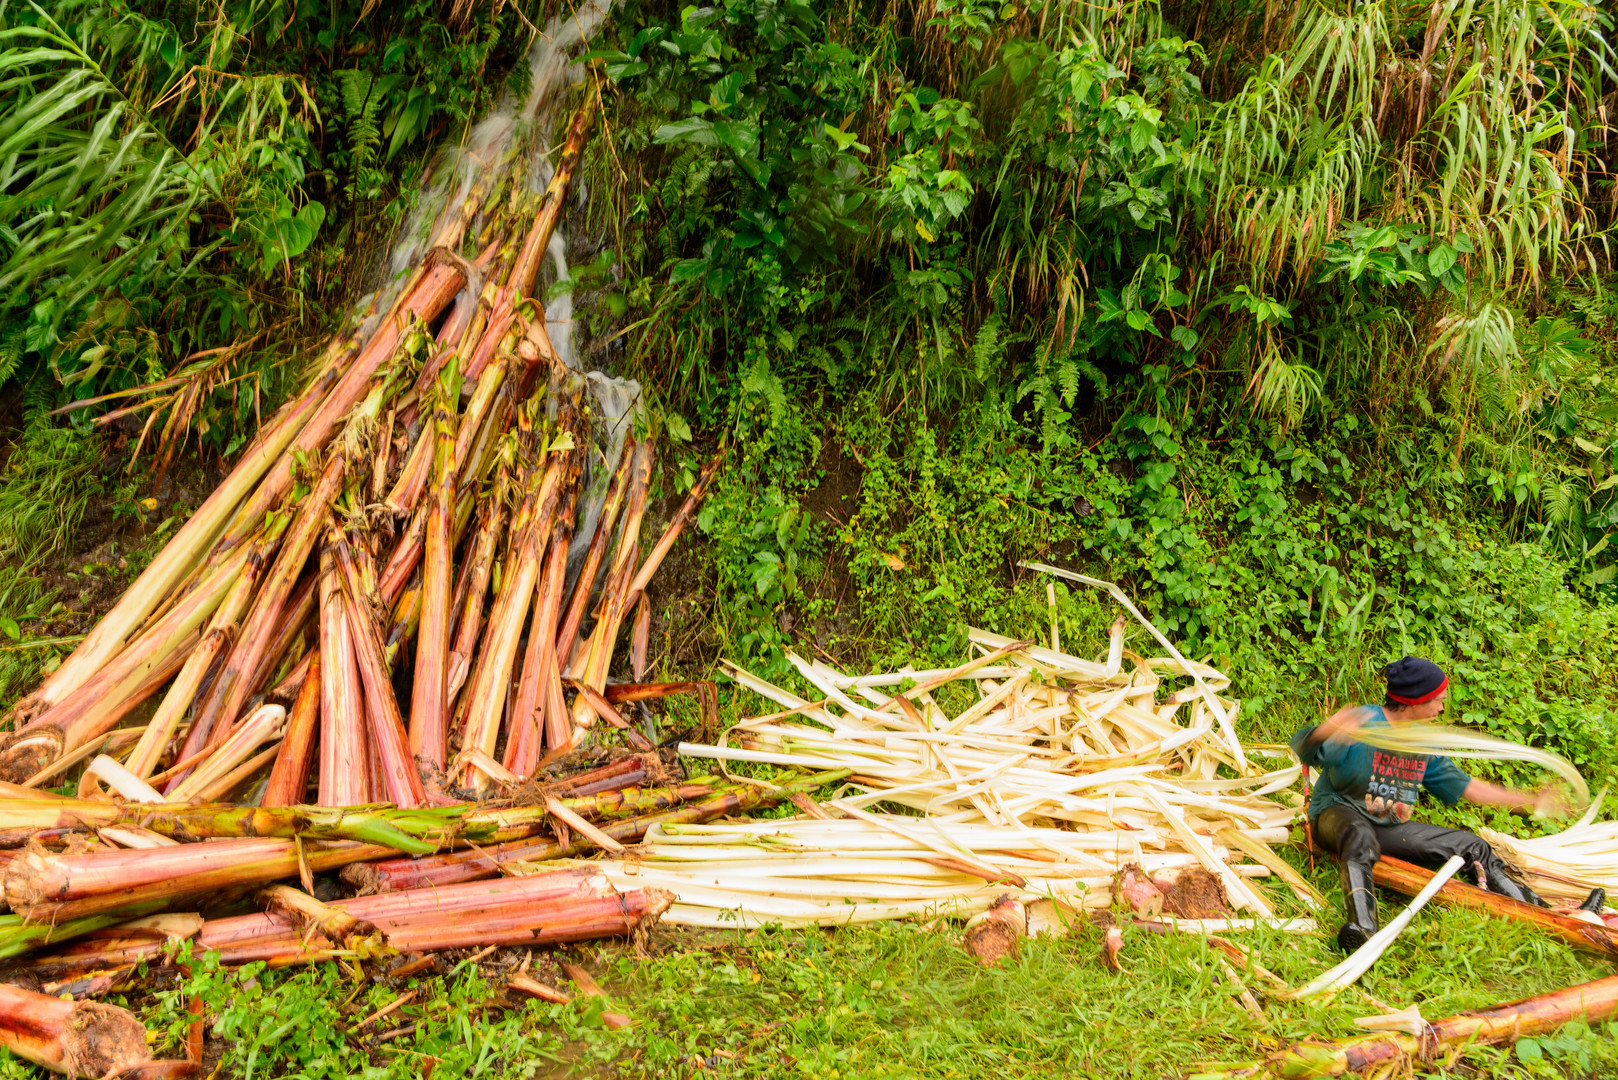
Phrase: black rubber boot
(1501, 882)
(1359, 897)
(1595, 901)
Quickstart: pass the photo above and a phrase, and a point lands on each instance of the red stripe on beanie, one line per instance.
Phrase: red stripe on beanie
(1425, 698)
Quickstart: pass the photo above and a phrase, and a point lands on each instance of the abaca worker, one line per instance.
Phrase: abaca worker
(1364, 797)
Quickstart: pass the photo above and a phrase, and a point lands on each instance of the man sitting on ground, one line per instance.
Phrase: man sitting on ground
(1364, 796)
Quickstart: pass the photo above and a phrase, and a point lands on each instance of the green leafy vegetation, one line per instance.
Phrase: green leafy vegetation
(51, 477)
(1297, 323)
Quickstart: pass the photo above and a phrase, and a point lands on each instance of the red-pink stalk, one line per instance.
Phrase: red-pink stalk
(389, 741)
(475, 572)
(630, 486)
(291, 772)
(344, 773)
(297, 618)
(428, 729)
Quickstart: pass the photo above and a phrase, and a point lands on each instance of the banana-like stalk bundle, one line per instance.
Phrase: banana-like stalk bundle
(413, 508)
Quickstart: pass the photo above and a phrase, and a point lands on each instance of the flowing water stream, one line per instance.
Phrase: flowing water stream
(522, 135)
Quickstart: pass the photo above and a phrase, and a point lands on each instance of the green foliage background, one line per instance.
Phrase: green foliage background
(1295, 321)
(190, 189)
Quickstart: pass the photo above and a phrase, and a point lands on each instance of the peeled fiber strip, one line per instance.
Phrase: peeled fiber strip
(1349, 971)
(1459, 743)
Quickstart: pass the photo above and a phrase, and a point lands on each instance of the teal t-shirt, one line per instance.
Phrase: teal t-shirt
(1373, 781)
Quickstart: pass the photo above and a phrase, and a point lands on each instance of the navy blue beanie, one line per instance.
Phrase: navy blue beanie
(1414, 681)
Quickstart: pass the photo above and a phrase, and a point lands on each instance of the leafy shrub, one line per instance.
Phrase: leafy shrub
(1299, 567)
(173, 166)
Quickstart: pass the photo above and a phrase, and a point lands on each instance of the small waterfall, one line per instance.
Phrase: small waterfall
(522, 134)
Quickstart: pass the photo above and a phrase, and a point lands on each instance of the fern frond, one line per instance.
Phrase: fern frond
(987, 346)
(1561, 500)
(361, 103)
(13, 344)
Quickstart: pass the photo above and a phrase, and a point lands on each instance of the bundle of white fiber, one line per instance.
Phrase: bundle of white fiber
(1459, 743)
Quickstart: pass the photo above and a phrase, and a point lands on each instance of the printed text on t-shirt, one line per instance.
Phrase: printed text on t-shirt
(1395, 785)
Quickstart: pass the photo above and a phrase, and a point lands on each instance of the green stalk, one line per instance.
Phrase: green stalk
(1591, 1002)
(484, 862)
(416, 830)
(18, 936)
(383, 826)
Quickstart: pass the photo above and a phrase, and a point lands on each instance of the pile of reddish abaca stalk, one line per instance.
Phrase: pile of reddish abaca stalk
(371, 636)
(107, 889)
(412, 508)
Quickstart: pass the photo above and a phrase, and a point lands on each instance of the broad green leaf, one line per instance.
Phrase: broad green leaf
(1440, 259)
(694, 130)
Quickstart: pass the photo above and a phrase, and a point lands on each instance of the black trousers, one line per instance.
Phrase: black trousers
(1349, 833)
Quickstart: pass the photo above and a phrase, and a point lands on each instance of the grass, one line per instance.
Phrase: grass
(902, 1001)
(23, 599)
(45, 487)
(49, 478)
